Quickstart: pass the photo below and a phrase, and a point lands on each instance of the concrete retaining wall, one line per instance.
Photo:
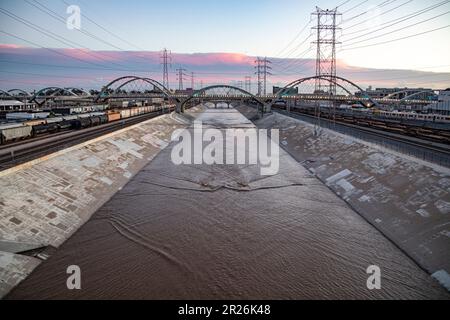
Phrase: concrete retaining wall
(43, 202)
(405, 198)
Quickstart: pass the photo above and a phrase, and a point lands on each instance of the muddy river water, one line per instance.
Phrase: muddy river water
(226, 232)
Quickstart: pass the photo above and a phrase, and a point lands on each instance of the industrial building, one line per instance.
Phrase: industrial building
(15, 105)
(290, 91)
(443, 104)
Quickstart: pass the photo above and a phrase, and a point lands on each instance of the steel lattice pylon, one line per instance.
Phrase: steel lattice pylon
(166, 60)
(326, 49)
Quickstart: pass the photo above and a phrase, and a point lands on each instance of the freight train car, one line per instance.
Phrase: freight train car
(14, 132)
(113, 116)
(36, 127)
(125, 113)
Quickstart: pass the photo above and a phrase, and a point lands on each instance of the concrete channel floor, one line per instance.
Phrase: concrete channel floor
(226, 232)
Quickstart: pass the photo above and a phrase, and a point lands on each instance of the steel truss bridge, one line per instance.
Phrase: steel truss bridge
(141, 88)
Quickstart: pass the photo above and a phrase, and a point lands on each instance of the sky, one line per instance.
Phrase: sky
(219, 40)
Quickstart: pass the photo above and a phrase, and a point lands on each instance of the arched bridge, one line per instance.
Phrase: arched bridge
(346, 91)
(219, 93)
(301, 90)
(54, 93)
(133, 86)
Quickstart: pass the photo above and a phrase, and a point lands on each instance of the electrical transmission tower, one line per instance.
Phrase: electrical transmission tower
(181, 77)
(262, 71)
(166, 61)
(326, 49)
(248, 84)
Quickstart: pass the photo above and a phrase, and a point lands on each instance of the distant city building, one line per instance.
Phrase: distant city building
(15, 105)
(187, 91)
(290, 91)
(443, 104)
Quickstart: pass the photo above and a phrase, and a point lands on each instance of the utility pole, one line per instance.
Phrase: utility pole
(248, 84)
(181, 77)
(326, 49)
(166, 61)
(262, 71)
(192, 81)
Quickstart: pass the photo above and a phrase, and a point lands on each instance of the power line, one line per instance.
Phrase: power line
(398, 39)
(295, 38)
(61, 19)
(397, 30)
(69, 67)
(54, 36)
(298, 62)
(343, 4)
(354, 7)
(403, 19)
(379, 15)
(50, 49)
(105, 29)
(45, 75)
(109, 69)
(288, 56)
(381, 5)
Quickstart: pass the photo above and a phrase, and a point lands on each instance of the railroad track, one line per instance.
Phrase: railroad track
(25, 151)
(441, 150)
(419, 131)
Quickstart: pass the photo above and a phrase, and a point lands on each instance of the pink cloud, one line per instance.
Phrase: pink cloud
(10, 46)
(207, 59)
(209, 67)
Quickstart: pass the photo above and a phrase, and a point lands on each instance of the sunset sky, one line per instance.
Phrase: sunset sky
(219, 40)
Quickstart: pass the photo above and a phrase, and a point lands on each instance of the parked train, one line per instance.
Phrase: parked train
(18, 131)
(357, 111)
(437, 118)
(394, 115)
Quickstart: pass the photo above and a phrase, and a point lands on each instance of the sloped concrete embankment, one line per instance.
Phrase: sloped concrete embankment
(43, 202)
(405, 198)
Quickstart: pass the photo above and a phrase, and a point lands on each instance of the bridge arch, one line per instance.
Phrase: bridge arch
(409, 97)
(199, 94)
(123, 81)
(84, 93)
(344, 81)
(408, 94)
(49, 93)
(6, 94)
(19, 91)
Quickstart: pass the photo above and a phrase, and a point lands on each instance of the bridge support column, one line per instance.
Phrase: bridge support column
(178, 108)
